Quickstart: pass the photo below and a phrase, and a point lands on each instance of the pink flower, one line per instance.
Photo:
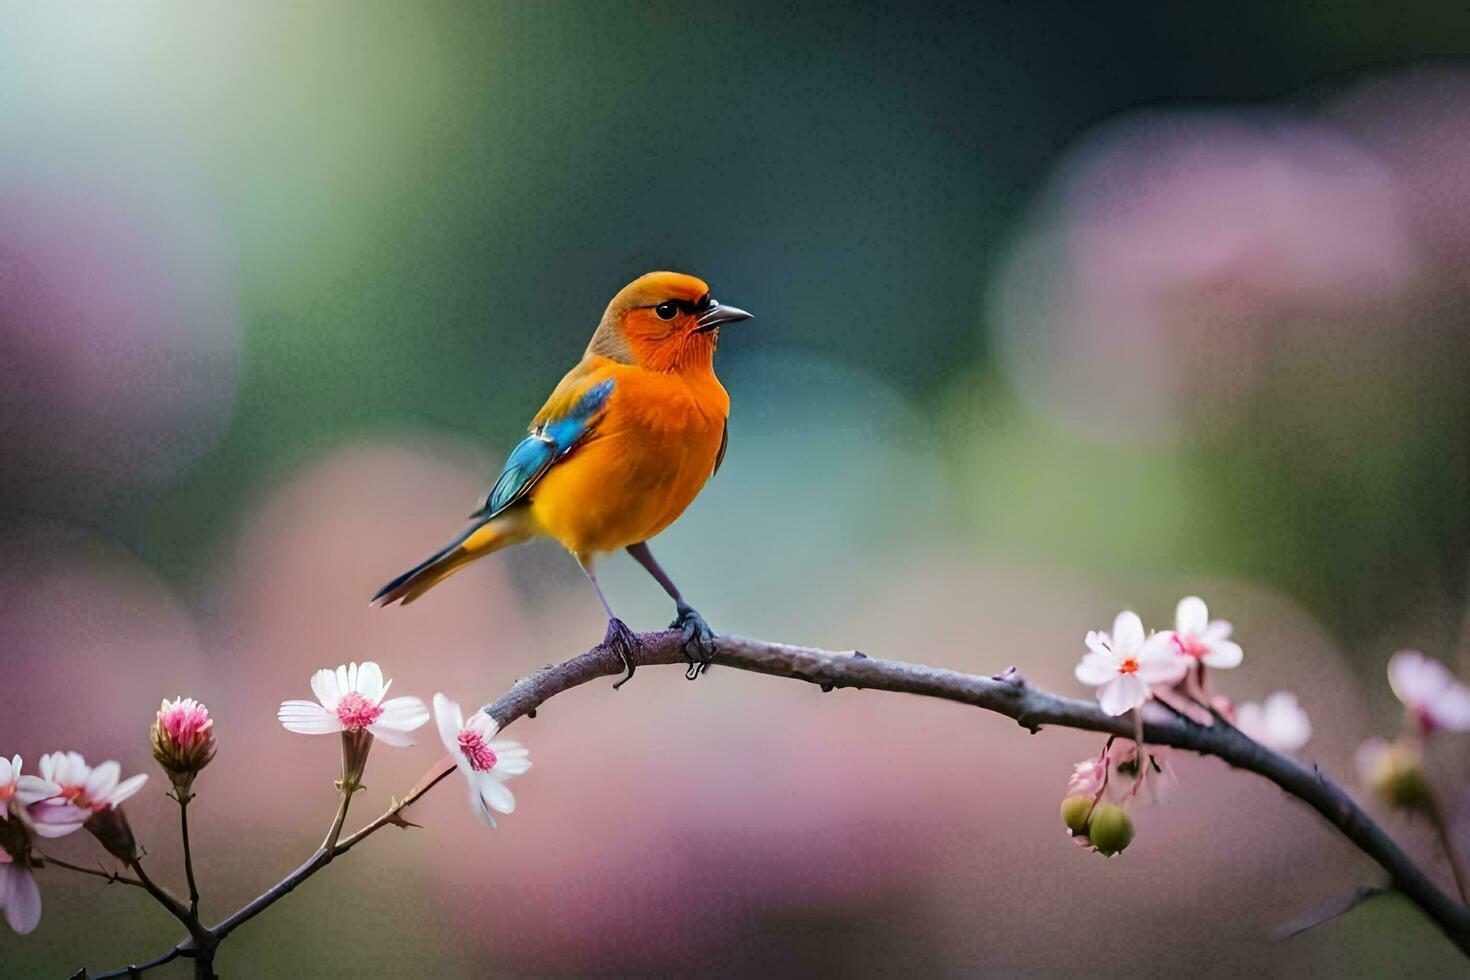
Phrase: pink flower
(1431, 693)
(23, 790)
(185, 722)
(83, 791)
(1124, 665)
(485, 764)
(1197, 636)
(350, 699)
(1278, 723)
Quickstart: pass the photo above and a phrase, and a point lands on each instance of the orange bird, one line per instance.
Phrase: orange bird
(625, 443)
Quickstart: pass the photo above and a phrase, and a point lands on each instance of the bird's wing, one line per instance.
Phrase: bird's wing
(557, 430)
(724, 444)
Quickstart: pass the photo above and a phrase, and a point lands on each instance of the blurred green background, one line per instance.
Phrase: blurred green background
(1059, 310)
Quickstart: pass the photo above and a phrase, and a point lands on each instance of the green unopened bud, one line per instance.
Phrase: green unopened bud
(1075, 811)
(1396, 774)
(1110, 830)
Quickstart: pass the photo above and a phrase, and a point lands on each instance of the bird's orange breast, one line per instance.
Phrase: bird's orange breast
(651, 453)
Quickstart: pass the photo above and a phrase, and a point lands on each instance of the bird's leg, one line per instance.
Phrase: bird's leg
(618, 638)
(699, 639)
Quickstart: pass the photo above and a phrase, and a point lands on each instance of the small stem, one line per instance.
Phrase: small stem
(329, 843)
(1447, 840)
(184, 799)
(94, 872)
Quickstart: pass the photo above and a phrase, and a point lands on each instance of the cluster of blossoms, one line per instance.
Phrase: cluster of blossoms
(1128, 668)
(1434, 701)
(69, 795)
(351, 700)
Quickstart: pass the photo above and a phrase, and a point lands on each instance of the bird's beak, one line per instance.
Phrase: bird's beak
(718, 314)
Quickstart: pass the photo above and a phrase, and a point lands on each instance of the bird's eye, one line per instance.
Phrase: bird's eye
(667, 310)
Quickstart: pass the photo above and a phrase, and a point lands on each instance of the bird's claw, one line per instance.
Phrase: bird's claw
(624, 642)
(698, 640)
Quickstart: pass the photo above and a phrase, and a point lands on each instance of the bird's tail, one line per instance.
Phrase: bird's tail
(505, 529)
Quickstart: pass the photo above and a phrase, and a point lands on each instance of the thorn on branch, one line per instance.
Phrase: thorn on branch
(859, 655)
(1010, 676)
(530, 712)
(396, 817)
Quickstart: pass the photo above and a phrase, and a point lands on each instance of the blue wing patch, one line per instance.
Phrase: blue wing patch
(548, 443)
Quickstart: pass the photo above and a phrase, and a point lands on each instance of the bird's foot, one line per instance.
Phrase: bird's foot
(624, 642)
(698, 638)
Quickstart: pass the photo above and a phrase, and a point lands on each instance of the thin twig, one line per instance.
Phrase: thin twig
(183, 800)
(98, 872)
(1006, 694)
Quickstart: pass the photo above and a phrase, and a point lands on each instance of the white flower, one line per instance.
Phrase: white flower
(82, 790)
(19, 896)
(1278, 723)
(1206, 641)
(350, 699)
(1123, 665)
(1430, 691)
(485, 764)
(24, 790)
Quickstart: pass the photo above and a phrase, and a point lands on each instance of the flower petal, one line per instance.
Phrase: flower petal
(497, 795)
(449, 720)
(1191, 616)
(390, 736)
(370, 681)
(1099, 642)
(325, 686)
(1096, 669)
(511, 758)
(307, 718)
(33, 789)
(127, 788)
(1223, 655)
(102, 781)
(1122, 694)
(477, 802)
(404, 714)
(1160, 662)
(57, 818)
(1451, 709)
(21, 897)
(1415, 678)
(1127, 633)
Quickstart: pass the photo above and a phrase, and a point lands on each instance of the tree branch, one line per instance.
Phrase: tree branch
(1006, 693)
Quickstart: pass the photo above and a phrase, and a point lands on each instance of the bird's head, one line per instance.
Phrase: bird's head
(663, 321)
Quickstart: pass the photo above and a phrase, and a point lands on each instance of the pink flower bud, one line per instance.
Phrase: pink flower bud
(183, 739)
